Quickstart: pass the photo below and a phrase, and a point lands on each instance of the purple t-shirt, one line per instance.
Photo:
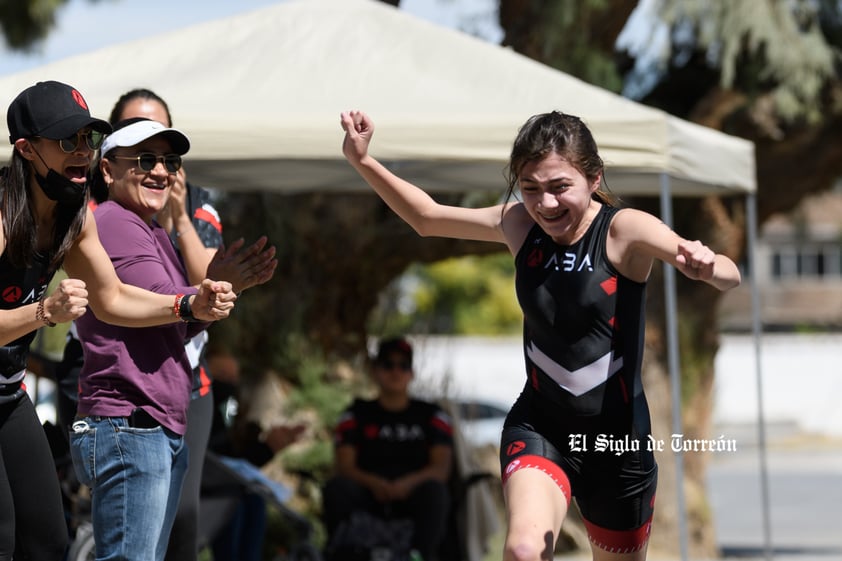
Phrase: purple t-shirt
(130, 367)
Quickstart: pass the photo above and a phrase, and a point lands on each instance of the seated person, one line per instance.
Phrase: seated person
(393, 456)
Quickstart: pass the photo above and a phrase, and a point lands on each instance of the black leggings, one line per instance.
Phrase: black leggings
(615, 491)
(32, 524)
(184, 536)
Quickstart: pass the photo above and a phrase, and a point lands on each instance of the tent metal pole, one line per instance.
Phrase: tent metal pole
(757, 331)
(674, 373)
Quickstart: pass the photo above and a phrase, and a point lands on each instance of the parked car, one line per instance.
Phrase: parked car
(481, 421)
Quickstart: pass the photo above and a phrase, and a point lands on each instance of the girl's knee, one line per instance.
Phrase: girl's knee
(528, 546)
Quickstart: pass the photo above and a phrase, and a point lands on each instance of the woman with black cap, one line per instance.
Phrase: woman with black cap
(45, 226)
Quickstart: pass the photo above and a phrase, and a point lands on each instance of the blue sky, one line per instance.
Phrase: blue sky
(84, 26)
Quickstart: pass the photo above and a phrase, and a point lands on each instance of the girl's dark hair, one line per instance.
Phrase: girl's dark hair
(19, 220)
(138, 93)
(562, 134)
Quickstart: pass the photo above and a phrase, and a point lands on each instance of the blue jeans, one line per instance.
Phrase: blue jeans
(135, 475)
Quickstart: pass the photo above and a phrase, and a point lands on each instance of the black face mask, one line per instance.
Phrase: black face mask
(60, 189)
(57, 187)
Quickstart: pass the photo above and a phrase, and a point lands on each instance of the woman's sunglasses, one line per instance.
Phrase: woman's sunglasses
(147, 161)
(92, 138)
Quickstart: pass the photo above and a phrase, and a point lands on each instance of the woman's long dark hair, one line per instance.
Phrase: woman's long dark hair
(19, 226)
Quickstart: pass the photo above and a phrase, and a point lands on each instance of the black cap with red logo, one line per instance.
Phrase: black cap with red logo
(51, 110)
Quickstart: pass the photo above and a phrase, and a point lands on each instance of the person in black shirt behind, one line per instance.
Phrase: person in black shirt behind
(393, 455)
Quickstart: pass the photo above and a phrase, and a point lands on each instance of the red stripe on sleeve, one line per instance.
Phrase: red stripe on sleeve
(208, 217)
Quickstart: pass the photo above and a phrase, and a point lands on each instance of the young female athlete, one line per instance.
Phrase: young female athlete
(582, 266)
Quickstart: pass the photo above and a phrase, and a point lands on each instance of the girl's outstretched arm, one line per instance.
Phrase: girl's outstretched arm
(637, 238)
(412, 204)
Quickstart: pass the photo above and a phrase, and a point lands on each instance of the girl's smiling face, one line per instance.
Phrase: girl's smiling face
(558, 197)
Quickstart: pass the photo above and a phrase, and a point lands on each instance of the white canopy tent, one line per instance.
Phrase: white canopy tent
(260, 95)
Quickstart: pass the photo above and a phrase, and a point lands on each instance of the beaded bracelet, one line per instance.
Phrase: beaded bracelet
(183, 309)
(176, 307)
(41, 316)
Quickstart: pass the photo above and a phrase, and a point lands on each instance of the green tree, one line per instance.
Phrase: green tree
(466, 296)
(25, 23)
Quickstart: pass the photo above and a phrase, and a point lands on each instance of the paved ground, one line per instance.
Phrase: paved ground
(805, 498)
